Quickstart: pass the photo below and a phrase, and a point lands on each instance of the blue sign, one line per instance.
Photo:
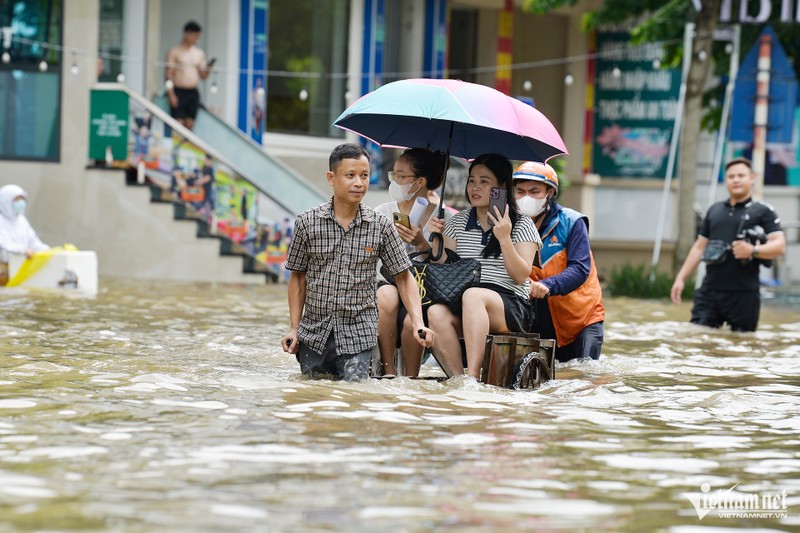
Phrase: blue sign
(783, 95)
(252, 68)
(435, 38)
(372, 71)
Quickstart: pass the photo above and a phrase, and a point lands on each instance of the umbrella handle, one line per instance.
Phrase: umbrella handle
(436, 252)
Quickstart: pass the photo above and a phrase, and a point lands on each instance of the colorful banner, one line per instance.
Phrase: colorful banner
(230, 205)
(634, 109)
(271, 245)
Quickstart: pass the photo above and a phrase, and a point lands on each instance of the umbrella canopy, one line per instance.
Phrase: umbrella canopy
(464, 119)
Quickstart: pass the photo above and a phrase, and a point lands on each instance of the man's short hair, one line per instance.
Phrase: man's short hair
(192, 27)
(346, 151)
(737, 161)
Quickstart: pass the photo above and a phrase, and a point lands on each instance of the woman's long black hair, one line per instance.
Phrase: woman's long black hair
(502, 169)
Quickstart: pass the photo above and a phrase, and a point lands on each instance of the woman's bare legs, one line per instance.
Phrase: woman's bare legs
(483, 312)
(447, 349)
(388, 307)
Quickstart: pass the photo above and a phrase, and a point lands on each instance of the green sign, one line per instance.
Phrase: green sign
(634, 112)
(108, 125)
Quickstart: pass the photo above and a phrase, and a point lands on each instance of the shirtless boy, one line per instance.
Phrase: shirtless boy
(186, 66)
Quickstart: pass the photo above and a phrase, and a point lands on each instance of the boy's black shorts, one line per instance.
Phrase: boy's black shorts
(188, 103)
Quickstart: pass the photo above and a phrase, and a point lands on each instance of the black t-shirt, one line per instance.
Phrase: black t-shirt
(724, 222)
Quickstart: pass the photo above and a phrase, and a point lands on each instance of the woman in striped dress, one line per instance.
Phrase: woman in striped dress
(505, 243)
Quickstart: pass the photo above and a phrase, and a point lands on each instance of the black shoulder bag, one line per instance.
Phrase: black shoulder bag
(443, 283)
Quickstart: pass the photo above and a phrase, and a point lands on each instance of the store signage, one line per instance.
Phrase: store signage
(108, 125)
(789, 11)
(634, 108)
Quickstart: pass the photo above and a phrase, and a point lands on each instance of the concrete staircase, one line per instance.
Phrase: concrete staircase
(141, 239)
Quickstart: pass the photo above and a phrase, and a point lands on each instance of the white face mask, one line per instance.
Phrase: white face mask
(18, 206)
(400, 193)
(532, 207)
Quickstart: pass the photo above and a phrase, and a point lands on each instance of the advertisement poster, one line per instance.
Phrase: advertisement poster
(231, 205)
(275, 226)
(225, 200)
(634, 111)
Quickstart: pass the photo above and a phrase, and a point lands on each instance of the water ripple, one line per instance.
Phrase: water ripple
(171, 407)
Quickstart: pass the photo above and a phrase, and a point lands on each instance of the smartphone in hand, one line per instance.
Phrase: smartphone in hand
(211, 63)
(497, 198)
(400, 218)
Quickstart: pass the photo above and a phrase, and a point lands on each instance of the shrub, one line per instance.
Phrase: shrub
(640, 281)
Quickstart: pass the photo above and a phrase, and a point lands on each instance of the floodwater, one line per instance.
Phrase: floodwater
(170, 407)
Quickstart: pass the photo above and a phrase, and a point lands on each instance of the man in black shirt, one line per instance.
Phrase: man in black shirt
(729, 245)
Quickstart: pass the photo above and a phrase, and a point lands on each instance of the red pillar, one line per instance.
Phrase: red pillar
(762, 108)
(505, 35)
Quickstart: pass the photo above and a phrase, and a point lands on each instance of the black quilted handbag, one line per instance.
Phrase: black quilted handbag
(444, 283)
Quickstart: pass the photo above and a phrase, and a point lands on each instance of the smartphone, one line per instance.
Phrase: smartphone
(497, 198)
(400, 218)
(213, 60)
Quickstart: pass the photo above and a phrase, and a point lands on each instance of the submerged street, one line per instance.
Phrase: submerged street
(162, 406)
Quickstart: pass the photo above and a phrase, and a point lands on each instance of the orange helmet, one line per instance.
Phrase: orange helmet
(535, 171)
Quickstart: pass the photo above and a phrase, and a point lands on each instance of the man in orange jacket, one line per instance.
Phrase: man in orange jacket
(565, 288)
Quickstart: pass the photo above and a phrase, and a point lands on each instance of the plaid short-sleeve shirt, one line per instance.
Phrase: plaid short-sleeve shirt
(340, 266)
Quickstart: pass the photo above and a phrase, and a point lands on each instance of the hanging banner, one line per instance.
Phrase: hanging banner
(634, 109)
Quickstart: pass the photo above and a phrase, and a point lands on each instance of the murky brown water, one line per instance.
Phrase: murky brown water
(170, 407)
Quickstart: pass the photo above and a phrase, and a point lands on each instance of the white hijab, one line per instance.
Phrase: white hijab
(16, 233)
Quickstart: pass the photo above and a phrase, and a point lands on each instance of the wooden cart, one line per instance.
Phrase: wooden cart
(512, 361)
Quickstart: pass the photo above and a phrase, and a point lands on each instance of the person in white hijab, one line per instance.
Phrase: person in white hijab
(16, 234)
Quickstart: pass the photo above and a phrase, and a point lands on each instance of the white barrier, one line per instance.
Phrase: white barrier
(64, 270)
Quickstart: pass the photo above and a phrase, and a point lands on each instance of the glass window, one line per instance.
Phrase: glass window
(110, 40)
(30, 82)
(309, 39)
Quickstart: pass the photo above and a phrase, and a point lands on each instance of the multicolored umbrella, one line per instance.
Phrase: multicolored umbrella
(456, 117)
(461, 118)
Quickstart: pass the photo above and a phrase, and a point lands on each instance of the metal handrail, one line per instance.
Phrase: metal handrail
(189, 135)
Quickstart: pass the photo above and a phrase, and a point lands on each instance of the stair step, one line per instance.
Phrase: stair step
(141, 239)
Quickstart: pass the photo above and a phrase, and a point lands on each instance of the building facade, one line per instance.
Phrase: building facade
(286, 69)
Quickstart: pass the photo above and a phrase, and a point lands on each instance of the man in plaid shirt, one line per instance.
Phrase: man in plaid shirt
(333, 260)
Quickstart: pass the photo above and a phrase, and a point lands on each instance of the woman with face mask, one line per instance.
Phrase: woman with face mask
(564, 288)
(16, 234)
(412, 182)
